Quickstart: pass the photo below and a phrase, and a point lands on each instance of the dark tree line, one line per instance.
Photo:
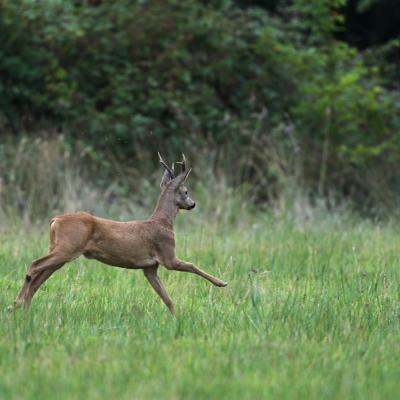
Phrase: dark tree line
(304, 87)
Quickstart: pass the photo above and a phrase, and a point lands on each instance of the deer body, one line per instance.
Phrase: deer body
(122, 244)
(134, 244)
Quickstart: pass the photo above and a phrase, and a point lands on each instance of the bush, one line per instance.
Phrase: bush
(266, 96)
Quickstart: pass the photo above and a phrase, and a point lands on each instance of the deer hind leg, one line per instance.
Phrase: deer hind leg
(28, 279)
(38, 272)
(28, 276)
(68, 239)
(39, 279)
(179, 265)
(151, 274)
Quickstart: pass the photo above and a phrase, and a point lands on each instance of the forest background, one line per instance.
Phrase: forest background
(293, 102)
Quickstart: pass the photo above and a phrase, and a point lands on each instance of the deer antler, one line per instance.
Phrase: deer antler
(165, 165)
(183, 163)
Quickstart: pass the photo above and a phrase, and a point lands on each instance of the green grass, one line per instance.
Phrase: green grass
(310, 312)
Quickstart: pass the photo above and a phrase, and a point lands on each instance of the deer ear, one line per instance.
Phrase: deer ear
(181, 178)
(165, 179)
(168, 176)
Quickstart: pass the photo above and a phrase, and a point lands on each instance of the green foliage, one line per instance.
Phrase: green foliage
(130, 70)
(129, 77)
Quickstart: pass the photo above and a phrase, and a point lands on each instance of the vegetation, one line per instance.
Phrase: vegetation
(289, 114)
(275, 88)
(311, 311)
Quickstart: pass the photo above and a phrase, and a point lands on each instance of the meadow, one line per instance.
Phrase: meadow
(288, 113)
(311, 311)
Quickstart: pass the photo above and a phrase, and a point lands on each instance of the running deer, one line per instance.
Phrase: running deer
(134, 244)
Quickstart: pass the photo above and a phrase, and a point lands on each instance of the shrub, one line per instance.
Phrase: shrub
(265, 96)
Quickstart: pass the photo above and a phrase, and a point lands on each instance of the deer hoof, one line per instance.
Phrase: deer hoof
(222, 284)
(17, 304)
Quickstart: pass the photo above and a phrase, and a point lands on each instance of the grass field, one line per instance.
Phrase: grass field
(311, 311)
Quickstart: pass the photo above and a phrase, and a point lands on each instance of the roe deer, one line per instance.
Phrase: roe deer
(134, 244)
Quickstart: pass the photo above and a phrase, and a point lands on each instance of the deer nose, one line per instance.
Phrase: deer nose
(192, 206)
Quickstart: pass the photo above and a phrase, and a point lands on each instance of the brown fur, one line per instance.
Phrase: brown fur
(134, 244)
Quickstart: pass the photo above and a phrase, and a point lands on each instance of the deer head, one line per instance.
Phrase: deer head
(175, 184)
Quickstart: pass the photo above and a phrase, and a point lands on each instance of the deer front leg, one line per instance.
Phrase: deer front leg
(178, 265)
(151, 274)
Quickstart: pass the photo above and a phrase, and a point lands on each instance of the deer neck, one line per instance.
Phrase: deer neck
(166, 209)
